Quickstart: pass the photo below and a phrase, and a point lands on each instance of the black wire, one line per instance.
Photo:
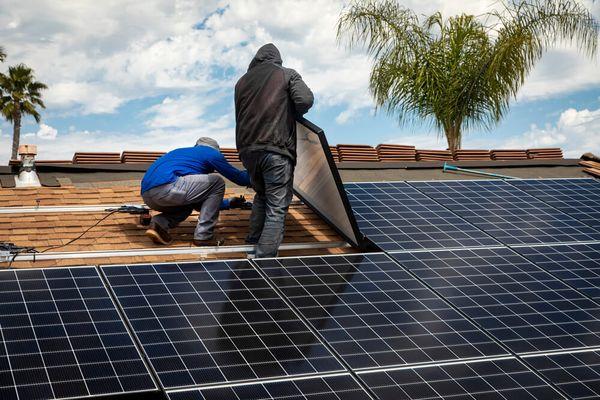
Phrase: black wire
(80, 236)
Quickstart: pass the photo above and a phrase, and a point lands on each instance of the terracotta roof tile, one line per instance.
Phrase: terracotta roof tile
(123, 232)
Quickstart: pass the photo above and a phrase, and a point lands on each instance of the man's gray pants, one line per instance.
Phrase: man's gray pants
(177, 200)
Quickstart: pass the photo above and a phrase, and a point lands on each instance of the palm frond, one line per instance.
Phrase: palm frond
(459, 73)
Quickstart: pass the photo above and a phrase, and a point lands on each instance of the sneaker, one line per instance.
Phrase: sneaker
(158, 234)
(212, 242)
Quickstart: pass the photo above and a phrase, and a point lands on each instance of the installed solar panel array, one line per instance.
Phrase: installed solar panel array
(578, 198)
(397, 217)
(507, 213)
(448, 313)
(62, 337)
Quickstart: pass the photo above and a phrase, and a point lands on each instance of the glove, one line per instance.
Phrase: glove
(237, 202)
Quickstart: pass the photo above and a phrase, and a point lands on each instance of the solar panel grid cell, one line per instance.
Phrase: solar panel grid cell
(62, 337)
(397, 217)
(507, 213)
(576, 374)
(578, 265)
(579, 198)
(215, 322)
(505, 379)
(373, 313)
(517, 302)
(342, 387)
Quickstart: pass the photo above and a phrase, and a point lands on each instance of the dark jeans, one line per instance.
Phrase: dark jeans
(272, 177)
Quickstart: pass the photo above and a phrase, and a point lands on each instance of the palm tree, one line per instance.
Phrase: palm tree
(2, 54)
(21, 93)
(462, 72)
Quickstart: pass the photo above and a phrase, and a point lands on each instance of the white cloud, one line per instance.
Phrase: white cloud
(185, 111)
(576, 132)
(47, 132)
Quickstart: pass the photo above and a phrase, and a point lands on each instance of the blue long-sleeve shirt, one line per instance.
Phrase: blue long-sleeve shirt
(191, 161)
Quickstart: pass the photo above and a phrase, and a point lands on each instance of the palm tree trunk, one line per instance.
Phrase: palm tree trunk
(16, 132)
(453, 136)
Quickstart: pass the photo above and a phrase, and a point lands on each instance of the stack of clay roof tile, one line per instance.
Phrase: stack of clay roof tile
(434, 155)
(357, 152)
(396, 152)
(139, 157)
(505, 154)
(472, 155)
(230, 154)
(334, 153)
(546, 154)
(591, 167)
(97, 158)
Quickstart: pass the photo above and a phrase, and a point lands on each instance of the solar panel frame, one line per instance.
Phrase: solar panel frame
(577, 197)
(396, 216)
(330, 387)
(65, 321)
(371, 336)
(213, 367)
(521, 305)
(576, 264)
(499, 378)
(575, 373)
(507, 213)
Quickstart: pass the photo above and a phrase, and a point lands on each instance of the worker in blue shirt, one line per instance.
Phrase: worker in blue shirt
(182, 181)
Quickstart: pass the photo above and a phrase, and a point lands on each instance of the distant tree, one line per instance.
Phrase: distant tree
(462, 72)
(2, 54)
(20, 95)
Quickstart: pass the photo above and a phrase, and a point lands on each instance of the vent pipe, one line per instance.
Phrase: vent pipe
(27, 176)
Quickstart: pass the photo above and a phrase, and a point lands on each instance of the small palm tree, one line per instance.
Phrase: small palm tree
(21, 93)
(459, 73)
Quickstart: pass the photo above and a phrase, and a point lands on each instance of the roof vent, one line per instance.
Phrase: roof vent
(27, 176)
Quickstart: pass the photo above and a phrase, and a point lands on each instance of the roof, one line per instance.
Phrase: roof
(42, 229)
(118, 184)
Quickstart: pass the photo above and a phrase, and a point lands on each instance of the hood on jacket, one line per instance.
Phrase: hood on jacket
(266, 54)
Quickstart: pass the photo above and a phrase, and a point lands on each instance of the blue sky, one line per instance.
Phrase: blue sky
(155, 75)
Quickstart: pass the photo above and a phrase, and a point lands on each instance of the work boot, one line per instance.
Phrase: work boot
(158, 234)
(212, 242)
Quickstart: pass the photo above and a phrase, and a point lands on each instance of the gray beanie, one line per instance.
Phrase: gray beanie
(210, 142)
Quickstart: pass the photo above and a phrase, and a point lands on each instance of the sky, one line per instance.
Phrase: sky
(158, 74)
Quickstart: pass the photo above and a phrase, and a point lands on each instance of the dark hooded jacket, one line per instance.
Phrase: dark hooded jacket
(268, 98)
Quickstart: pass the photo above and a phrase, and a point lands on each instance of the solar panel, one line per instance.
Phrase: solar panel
(373, 313)
(577, 374)
(215, 322)
(521, 305)
(62, 337)
(397, 217)
(507, 213)
(580, 198)
(341, 387)
(578, 265)
(497, 379)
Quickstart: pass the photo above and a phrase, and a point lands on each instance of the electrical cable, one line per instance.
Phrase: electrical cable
(82, 234)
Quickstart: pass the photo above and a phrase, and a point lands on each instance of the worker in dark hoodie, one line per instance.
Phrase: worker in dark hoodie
(268, 99)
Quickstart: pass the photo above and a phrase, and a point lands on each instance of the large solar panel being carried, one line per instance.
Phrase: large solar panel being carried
(507, 213)
(575, 373)
(215, 322)
(395, 216)
(338, 387)
(580, 198)
(506, 379)
(521, 305)
(373, 313)
(62, 337)
(576, 264)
